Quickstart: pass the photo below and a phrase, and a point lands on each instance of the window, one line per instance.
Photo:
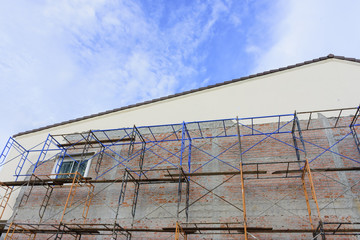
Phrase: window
(74, 163)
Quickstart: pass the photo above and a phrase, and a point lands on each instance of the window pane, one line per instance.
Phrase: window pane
(82, 167)
(71, 166)
(65, 168)
(75, 167)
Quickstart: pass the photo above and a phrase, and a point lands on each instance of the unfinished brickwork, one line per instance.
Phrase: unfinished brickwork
(184, 181)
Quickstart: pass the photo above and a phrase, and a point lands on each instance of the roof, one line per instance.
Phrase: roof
(330, 56)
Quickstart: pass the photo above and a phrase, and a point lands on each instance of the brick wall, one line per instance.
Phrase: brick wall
(277, 203)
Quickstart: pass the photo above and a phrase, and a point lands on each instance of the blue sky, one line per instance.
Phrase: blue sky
(61, 60)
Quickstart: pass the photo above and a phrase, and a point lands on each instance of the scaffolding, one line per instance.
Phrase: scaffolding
(179, 232)
(182, 154)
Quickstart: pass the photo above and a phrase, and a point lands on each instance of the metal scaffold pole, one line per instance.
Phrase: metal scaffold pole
(307, 170)
(242, 179)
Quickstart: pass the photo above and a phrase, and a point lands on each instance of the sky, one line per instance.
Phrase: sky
(64, 59)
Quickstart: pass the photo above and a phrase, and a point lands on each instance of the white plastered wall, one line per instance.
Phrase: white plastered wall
(326, 84)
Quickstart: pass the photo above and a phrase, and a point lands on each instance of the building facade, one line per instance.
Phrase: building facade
(212, 163)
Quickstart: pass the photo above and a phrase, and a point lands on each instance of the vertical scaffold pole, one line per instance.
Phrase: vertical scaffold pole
(353, 128)
(242, 179)
(307, 198)
(5, 199)
(179, 193)
(43, 152)
(187, 178)
(23, 157)
(312, 187)
(294, 138)
(70, 195)
(179, 232)
(6, 149)
(182, 143)
(307, 170)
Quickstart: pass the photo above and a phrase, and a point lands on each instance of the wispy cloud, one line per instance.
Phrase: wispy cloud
(65, 59)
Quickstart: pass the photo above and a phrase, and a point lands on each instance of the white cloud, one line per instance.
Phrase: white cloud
(311, 29)
(64, 59)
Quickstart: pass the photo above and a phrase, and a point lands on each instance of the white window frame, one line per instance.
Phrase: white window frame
(74, 156)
